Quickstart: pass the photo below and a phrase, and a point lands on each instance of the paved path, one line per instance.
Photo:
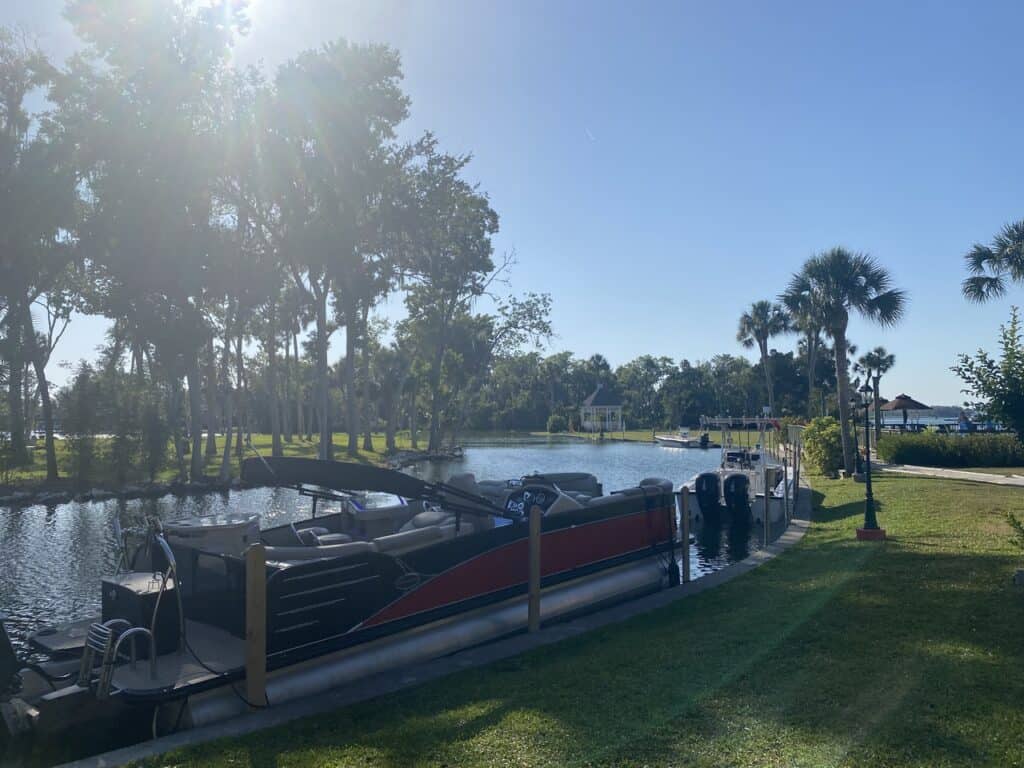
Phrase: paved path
(951, 474)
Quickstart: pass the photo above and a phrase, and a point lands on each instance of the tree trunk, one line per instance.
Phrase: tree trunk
(364, 393)
(15, 411)
(349, 383)
(812, 362)
(174, 414)
(275, 403)
(843, 395)
(38, 361)
(195, 418)
(212, 410)
(414, 438)
(300, 395)
(286, 409)
(323, 384)
(434, 440)
(766, 363)
(229, 400)
(243, 405)
(878, 410)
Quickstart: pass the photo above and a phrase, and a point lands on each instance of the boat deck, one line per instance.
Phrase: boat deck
(211, 651)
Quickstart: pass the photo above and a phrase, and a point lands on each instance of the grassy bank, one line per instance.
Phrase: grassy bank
(838, 653)
(104, 476)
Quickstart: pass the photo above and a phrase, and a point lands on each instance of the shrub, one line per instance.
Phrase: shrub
(823, 445)
(79, 418)
(557, 423)
(935, 450)
(155, 435)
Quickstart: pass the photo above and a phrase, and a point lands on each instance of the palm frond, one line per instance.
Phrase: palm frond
(982, 288)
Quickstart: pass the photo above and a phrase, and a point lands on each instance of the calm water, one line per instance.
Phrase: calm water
(51, 559)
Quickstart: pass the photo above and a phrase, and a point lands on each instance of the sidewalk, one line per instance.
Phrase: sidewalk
(950, 474)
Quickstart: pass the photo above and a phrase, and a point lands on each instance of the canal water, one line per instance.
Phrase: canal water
(52, 558)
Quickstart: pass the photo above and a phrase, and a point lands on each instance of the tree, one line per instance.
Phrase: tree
(639, 381)
(805, 318)
(836, 283)
(992, 266)
(997, 386)
(37, 210)
(873, 364)
(336, 112)
(448, 262)
(757, 326)
(145, 101)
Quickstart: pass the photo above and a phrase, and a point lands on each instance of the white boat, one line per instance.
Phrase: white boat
(683, 439)
(743, 474)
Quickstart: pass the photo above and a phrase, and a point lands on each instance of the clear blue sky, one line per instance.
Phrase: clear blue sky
(658, 166)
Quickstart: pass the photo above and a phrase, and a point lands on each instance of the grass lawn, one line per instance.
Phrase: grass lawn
(904, 653)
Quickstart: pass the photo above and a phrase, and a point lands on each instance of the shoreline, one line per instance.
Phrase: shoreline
(63, 491)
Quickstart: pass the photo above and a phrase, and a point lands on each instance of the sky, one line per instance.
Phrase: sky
(657, 167)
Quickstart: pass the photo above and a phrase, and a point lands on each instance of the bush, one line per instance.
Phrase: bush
(557, 423)
(934, 450)
(155, 435)
(823, 445)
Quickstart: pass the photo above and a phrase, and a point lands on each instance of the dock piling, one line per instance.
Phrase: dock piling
(256, 626)
(533, 620)
(684, 524)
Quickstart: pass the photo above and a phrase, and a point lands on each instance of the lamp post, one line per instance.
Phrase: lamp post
(870, 531)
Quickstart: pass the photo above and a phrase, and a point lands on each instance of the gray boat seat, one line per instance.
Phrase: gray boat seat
(307, 537)
(431, 517)
(407, 540)
(297, 554)
(328, 539)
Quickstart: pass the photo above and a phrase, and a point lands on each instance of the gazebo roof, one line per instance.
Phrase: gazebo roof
(903, 402)
(602, 396)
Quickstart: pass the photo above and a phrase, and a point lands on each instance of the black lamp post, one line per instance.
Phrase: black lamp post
(870, 521)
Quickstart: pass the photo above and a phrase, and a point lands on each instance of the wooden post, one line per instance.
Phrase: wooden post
(785, 487)
(533, 624)
(767, 500)
(256, 626)
(684, 524)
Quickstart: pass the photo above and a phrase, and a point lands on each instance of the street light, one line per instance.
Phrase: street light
(870, 531)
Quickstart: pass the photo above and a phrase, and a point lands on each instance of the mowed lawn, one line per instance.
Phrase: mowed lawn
(906, 653)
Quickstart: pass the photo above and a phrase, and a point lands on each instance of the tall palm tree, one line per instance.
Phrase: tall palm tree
(873, 364)
(837, 283)
(991, 266)
(805, 318)
(758, 325)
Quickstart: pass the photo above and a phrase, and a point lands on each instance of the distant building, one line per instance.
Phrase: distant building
(602, 411)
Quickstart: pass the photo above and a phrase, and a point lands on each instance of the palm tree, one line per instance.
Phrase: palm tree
(803, 313)
(836, 283)
(758, 324)
(873, 364)
(991, 266)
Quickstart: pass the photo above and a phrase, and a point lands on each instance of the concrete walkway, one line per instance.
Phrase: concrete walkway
(950, 474)
(399, 679)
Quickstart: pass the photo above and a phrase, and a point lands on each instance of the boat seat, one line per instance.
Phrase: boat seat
(434, 516)
(404, 541)
(328, 539)
(296, 554)
(307, 537)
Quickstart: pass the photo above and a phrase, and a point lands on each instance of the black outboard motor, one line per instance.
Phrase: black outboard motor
(736, 491)
(9, 663)
(704, 440)
(709, 492)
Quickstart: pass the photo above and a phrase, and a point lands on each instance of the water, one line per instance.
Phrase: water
(52, 558)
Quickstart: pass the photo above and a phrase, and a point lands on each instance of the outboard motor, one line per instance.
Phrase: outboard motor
(709, 492)
(704, 440)
(736, 491)
(9, 663)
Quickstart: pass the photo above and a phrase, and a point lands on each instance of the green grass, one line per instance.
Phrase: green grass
(35, 473)
(838, 653)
